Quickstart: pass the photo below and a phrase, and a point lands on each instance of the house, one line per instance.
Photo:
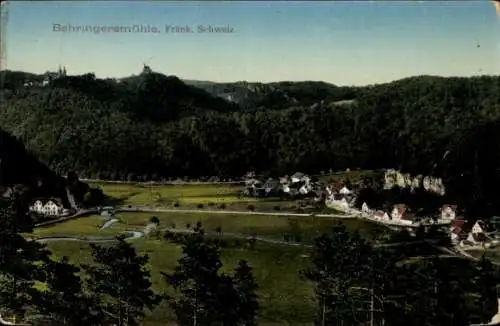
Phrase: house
(297, 177)
(37, 207)
(448, 212)
(304, 189)
(381, 215)
(329, 192)
(478, 228)
(365, 208)
(284, 180)
(271, 185)
(473, 233)
(52, 208)
(398, 211)
(456, 234)
(286, 188)
(306, 179)
(344, 191)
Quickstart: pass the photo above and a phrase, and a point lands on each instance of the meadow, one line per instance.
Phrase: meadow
(199, 196)
(285, 298)
(267, 226)
(183, 194)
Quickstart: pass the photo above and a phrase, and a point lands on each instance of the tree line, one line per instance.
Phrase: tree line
(355, 283)
(24, 174)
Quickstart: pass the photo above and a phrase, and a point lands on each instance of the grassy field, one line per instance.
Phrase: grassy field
(190, 194)
(210, 195)
(273, 227)
(285, 298)
(83, 226)
(197, 196)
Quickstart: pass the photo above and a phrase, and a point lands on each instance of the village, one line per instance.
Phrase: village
(463, 233)
(49, 208)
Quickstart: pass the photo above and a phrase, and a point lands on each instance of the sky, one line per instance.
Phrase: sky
(344, 43)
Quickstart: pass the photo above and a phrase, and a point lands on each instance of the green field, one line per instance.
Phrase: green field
(273, 227)
(186, 194)
(83, 226)
(284, 297)
(197, 195)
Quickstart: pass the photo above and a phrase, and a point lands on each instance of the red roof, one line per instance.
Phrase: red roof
(379, 213)
(401, 208)
(458, 223)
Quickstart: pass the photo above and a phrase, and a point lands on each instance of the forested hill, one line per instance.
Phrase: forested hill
(23, 173)
(101, 128)
(278, 95)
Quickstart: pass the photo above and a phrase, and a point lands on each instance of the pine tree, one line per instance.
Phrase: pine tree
(338, 261)
(246, 287)
(196, 279)
(484, 283)
(121, 283)
(206, 296)
(19, 259)
(64, 302)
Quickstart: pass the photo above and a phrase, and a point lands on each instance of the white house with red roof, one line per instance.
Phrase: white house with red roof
(456, 230)
(398, 214)
(398, 211)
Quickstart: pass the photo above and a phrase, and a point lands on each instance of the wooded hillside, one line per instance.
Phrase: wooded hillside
(153, 126)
